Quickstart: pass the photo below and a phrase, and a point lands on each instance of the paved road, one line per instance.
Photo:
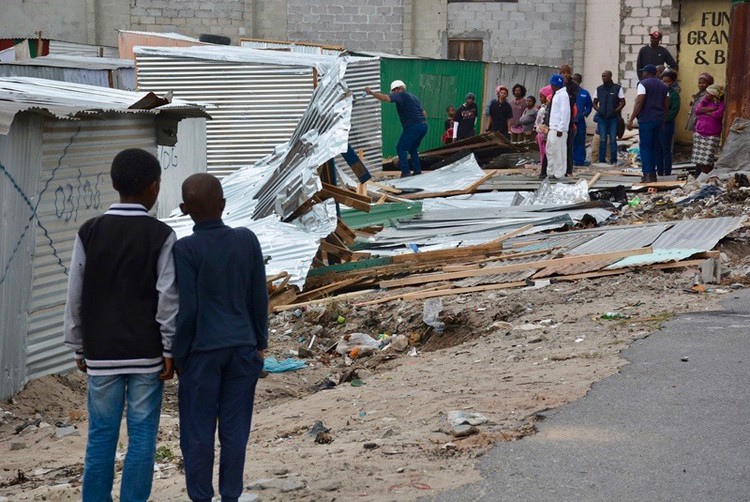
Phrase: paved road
(660, 430)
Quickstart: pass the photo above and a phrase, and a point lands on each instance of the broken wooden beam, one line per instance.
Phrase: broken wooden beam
(567, 260)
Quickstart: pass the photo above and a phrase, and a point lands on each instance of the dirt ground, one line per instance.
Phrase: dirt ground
(384, 430)
(507, 355)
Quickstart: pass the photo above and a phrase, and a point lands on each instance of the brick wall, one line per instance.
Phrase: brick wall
(639, 18)
(529, 31)
(191, 17)
(375, 25)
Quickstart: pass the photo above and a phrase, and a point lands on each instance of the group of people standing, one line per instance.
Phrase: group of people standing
(558, 119)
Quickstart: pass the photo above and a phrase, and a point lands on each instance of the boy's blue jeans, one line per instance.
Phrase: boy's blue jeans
(408, 144)
(217, 387)
(106, 399)
(607, 132)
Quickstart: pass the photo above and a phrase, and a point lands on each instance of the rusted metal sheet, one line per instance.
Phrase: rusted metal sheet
(738, 65)
(126, 40)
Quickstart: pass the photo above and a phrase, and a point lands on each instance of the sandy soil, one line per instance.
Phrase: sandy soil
(507, 355)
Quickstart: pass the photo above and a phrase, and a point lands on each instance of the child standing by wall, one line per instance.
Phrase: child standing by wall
(119, 320)
(222, 333)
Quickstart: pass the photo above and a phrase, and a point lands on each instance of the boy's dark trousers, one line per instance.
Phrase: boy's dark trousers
(217, 386)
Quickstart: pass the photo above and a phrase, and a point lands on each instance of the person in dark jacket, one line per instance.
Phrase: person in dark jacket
(650, 108)
(219, 343)
(654, 54)
(608, 103)
(414, 122)
(120, 321)
(664, 147)
(573, 90)
(500, 112)
(465, 119)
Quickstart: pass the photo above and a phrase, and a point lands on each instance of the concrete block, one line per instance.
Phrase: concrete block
(639, 12)
(634, 3)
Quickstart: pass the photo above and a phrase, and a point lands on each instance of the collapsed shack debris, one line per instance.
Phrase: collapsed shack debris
(485, 147)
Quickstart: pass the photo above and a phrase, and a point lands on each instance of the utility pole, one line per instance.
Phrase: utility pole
(738, 65)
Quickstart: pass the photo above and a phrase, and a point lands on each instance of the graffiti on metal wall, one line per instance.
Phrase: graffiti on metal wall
(168, 157)
(34, 208)
(85, 194)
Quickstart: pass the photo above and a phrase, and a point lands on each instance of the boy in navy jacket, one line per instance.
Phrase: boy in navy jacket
(221, 336)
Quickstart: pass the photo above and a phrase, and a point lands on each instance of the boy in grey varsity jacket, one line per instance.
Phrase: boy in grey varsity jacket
(120, 320)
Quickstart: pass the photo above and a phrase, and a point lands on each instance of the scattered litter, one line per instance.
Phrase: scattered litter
(431, 312)
(684, 359)
(413, 352)
(399, 343)
(459, 417)
(272, 365)
(362, 342)
(611, 316)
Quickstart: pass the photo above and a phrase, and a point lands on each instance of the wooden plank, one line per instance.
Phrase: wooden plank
(333, 189)
(567, 260)
(341, 297)
(618, 271)
(288, 296)
(595, 179)
(418, 295)
(333, 249)
(489, 173)
(345, 233)
(660, 184)
(326, 290)
(384, 188)
(346, 200)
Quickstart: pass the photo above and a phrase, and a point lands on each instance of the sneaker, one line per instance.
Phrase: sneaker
(405, 175)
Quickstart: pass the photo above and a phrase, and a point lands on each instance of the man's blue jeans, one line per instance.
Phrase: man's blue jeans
(106, 399)
(664, 150)
(649, 134)
(408, 144)
(607, 132)
(579, 143)
(217, 387)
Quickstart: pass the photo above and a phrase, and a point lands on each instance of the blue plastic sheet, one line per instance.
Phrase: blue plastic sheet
(273, 365)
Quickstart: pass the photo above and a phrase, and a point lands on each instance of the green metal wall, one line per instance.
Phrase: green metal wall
(437, 84)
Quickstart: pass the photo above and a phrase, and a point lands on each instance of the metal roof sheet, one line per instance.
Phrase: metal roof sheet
(75, 61)
(70, 101)
(456, 176)
(685, 238)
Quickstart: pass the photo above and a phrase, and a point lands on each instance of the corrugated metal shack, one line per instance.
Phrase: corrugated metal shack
(259, 99)
(437, 82)
(57, 141)
(88, 70)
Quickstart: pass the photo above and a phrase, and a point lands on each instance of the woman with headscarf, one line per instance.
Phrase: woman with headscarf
(704, 80)
(709, 114)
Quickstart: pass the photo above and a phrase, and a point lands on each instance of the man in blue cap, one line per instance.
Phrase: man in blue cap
(559, 124)
(414, 121)
(651, 106)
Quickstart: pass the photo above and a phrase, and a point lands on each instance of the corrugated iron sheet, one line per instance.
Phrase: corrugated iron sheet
(74, 186)
(76, 49)
(260, 98)
(22, 146)
(365, 134)
(322, 134)
(299, 47)
(685, 238)
(456, 176)
(611, 239)
(71, 101)
(102, 72)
